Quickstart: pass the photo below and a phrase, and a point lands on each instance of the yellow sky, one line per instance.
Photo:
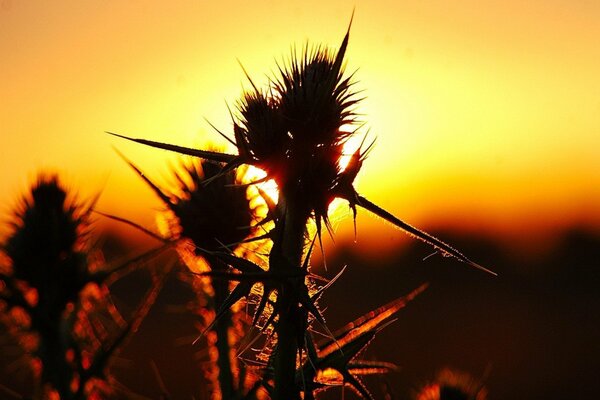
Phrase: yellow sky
(487, 112)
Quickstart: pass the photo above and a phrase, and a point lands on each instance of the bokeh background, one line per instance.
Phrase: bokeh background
(487, 119)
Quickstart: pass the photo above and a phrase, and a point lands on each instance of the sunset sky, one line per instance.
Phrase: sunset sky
(486, 113)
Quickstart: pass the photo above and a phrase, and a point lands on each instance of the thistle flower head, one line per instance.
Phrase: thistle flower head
(261, 134)
(315, 99)
(46, 247)
(212, 208)
(297, 130)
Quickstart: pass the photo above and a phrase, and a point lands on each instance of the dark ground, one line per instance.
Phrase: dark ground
(535, 328)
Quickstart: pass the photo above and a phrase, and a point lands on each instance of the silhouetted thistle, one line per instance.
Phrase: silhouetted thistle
(213, 209)
(311, 101)
(296, 131)
(53, 282)
(209, 212)
(48, 270)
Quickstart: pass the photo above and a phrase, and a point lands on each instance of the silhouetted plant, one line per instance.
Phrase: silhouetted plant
(209, 212)
(295, 131)
(334, 362)
(53, 285)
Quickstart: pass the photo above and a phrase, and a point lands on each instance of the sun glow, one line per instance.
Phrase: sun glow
(352, 143)
(337, 208)
(496, 121)
(268, 187)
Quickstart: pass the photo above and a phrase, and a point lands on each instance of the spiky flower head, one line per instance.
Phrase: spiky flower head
(296, 130)
(212, 208)
(209, 204)
(315, 98)
(46, 248)
(261, 133)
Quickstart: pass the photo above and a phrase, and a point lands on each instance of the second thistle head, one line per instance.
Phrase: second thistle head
(213, 209)
(209, 204)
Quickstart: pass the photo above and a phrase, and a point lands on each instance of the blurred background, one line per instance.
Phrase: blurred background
(487, 119)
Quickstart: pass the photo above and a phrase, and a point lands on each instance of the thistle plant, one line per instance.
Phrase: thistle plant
(209, 212)
(53, 287)
(295, 130)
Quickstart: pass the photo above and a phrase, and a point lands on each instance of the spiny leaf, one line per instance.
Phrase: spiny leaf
(241, 290)
(153, 186)
(103, 355)
(370, 367)
(357, 385)
(367, 322)
(309, 303)
(236, 262)
(419, 234)
(220, 133)
(110, 275)
(347, 348)
(134, 225)
(337, 356)
(209, 155)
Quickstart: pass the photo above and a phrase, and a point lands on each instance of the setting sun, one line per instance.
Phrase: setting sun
(476, 121)
(489, 115)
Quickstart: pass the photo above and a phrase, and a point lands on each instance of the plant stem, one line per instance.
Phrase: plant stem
(286, 351)
(221, 329)
(56, 372)
(286, 255)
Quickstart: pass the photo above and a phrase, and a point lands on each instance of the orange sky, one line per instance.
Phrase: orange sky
(486, 113)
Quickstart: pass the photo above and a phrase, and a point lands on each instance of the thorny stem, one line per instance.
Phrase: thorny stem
(56, 371)
(47, 321)
(221, 329)
(286, 254)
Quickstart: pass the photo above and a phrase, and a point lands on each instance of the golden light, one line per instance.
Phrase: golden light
(483, 115)
(268, 187)
(329, 377)
(337, 209)
(351, 145)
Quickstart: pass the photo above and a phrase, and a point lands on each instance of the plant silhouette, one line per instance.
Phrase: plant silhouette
(210, 212)
(295, 130)
(55, 287)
